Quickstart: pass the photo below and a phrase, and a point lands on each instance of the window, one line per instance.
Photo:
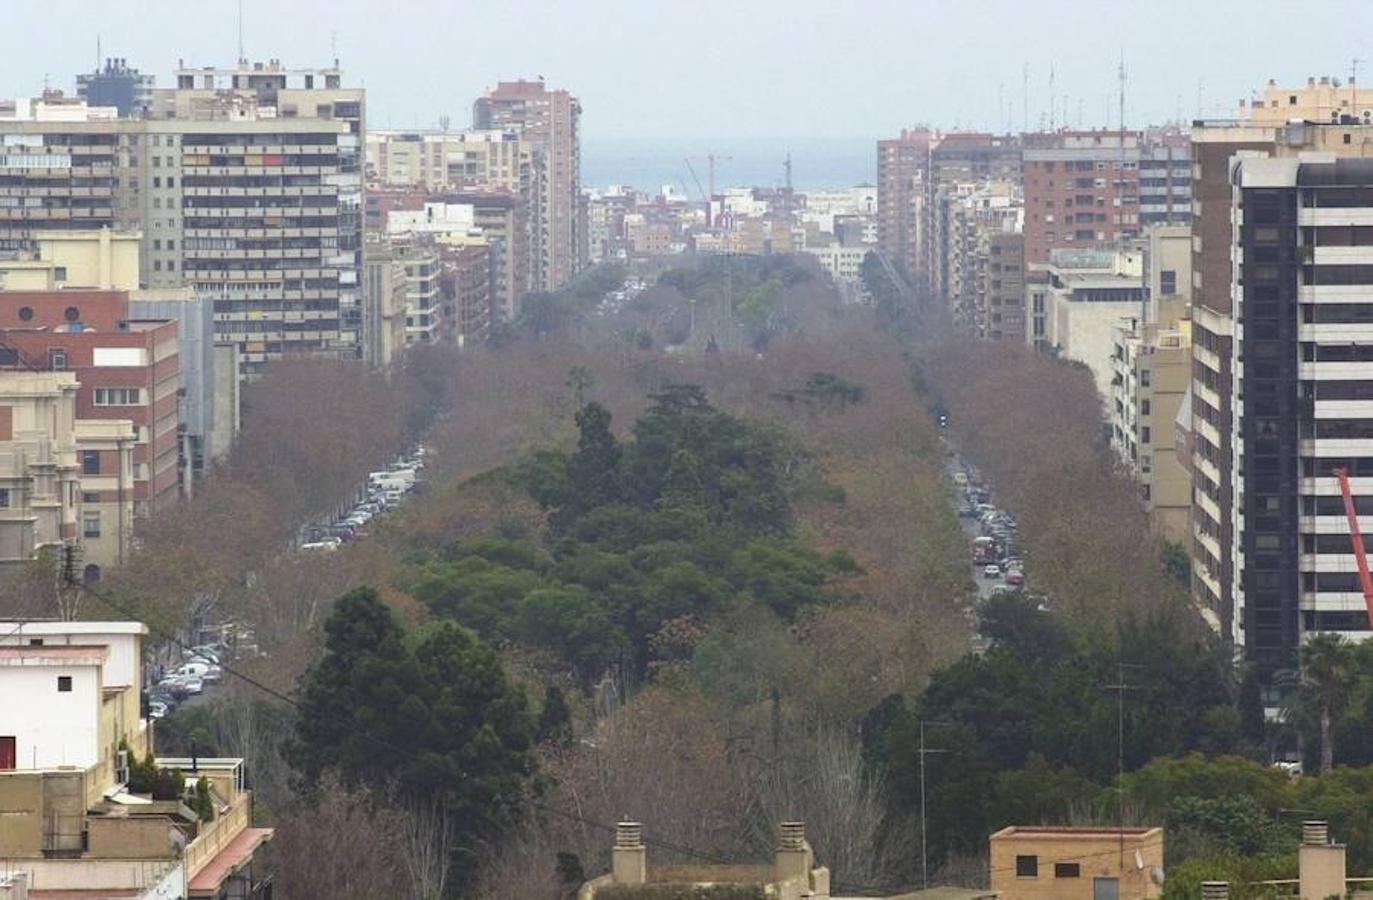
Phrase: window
(25, 313)
(90, 462)
(1144, 435)
(1067, 870)
(1144, 407)
(4, 498)
(1143, 377)
(90, 497)
(59, 273)
(1027, 866)
(117, 396)
(1168, 282)
(57, 359)
(157, 243)
(35, 642)
(64, 684)
(90, 524)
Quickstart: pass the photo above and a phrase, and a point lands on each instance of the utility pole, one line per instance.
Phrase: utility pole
(1120, 687)
(924, 844)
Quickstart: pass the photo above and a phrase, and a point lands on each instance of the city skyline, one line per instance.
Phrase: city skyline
(864, 67)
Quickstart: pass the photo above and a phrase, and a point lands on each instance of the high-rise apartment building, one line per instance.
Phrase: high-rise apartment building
(550, 119)
(1216, 148)
(246, 184)
(1302, 386)
(902, 173)
(1084, 189)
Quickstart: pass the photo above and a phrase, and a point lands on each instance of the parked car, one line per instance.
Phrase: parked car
(213, 675)
(157, 709)
(327, 544)
(1015, 577)
(192, 668)
(991, 570)
(194, 685)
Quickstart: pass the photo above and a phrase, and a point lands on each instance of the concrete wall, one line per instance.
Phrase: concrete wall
(52, 728)
(1086, 332)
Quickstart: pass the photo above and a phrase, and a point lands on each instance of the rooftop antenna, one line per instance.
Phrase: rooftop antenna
(1200, 94)
(1025, 100)
(97, 51)
(1051, 97)
(1121, 75)
(1353, 86)
(333, 45)
(241, 58)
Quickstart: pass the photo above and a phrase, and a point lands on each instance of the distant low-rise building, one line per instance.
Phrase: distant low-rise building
(1060, 863)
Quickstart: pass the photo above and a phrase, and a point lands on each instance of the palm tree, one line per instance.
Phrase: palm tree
(1326, 669)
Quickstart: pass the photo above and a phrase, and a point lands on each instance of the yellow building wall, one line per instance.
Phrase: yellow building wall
(21, 820)
(1097, 855)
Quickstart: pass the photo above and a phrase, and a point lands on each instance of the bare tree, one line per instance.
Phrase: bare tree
(424, 836)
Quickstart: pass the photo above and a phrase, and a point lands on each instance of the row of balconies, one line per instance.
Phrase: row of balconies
(48, 213)
(257, 149)
(299, 190)
(193, 271)
(265, 233)
(238, 212)
(236, 171)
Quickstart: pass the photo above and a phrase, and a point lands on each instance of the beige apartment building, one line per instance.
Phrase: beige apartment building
(46, 496)
(105, 258)
(550, 120)
(1152, 362)
(1079, 297)
(460, 160)
(384, 290)
(1061, 863)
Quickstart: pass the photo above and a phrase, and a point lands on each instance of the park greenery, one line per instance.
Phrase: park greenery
(695, 561)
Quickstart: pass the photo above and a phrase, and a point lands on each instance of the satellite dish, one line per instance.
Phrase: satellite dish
(1156, 875)
(1139, 861)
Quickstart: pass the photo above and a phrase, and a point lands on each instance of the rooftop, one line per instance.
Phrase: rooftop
(65, 655)
(58, 626)
(1061, 832)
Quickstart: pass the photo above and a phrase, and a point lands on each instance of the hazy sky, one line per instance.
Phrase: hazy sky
(734, 68)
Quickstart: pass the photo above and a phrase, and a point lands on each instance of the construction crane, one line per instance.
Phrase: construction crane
(711, 160)
(1356, 538)
(699, 189)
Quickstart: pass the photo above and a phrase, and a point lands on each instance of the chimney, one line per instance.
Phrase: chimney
(1320, 864)
(629, 859)
(1215, 890)
(793, 853)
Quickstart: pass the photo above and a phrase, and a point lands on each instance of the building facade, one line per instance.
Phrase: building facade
(902, 173)
(550, 120)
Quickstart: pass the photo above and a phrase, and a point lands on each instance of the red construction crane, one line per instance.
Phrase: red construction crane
(1356, 538)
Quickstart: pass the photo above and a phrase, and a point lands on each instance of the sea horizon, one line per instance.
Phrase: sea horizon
(648, 164)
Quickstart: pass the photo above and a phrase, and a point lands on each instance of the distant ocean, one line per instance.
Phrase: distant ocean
(649, 163)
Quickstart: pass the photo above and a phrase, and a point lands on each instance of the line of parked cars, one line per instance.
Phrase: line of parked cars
(386, 489)
(996, 549)
(200, 666)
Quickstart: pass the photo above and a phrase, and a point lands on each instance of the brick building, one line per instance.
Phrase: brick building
(126, 369)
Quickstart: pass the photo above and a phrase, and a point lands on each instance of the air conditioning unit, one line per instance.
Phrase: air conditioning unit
(121, 767)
